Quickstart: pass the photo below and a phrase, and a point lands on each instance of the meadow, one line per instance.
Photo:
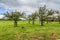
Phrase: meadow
(26, 31)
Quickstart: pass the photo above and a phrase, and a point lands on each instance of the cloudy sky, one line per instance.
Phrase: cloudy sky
(27, 6)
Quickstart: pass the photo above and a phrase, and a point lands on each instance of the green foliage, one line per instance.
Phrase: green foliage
(33, 16)
(50, 12)
(29, 19)
(41, 14)
(14, 16)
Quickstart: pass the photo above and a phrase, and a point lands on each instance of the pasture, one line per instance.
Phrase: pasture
(26, 31)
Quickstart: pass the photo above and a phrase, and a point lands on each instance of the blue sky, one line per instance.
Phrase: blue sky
(3, 10)
(27, 6)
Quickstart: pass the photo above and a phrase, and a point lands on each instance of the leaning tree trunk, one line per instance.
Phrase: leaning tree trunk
(15, 23)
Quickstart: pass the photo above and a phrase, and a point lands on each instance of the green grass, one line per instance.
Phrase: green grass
(9, 32)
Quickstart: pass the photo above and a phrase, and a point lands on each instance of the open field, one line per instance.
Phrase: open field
(29, 31)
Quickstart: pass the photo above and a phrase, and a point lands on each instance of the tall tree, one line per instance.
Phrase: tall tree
(58, 16)
(33, 17)
(29, 19)
(14, 16)
(49, 13)
(42, 11)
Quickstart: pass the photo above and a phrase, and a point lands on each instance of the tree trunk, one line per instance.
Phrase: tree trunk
(33, 21)
(41, 22)
(29, 21)
(47, 21)
(15, 23)
(59, 20)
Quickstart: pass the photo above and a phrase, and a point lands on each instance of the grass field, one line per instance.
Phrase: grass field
(29, 32)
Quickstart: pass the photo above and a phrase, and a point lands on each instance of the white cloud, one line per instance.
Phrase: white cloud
(27, 8)
(1, 16)
(29, 5)
(52, 5)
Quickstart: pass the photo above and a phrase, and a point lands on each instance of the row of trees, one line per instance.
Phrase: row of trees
(42, 14)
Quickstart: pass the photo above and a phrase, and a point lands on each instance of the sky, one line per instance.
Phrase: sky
(28, 6)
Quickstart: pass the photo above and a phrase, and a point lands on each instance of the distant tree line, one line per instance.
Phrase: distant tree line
(43, 15)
